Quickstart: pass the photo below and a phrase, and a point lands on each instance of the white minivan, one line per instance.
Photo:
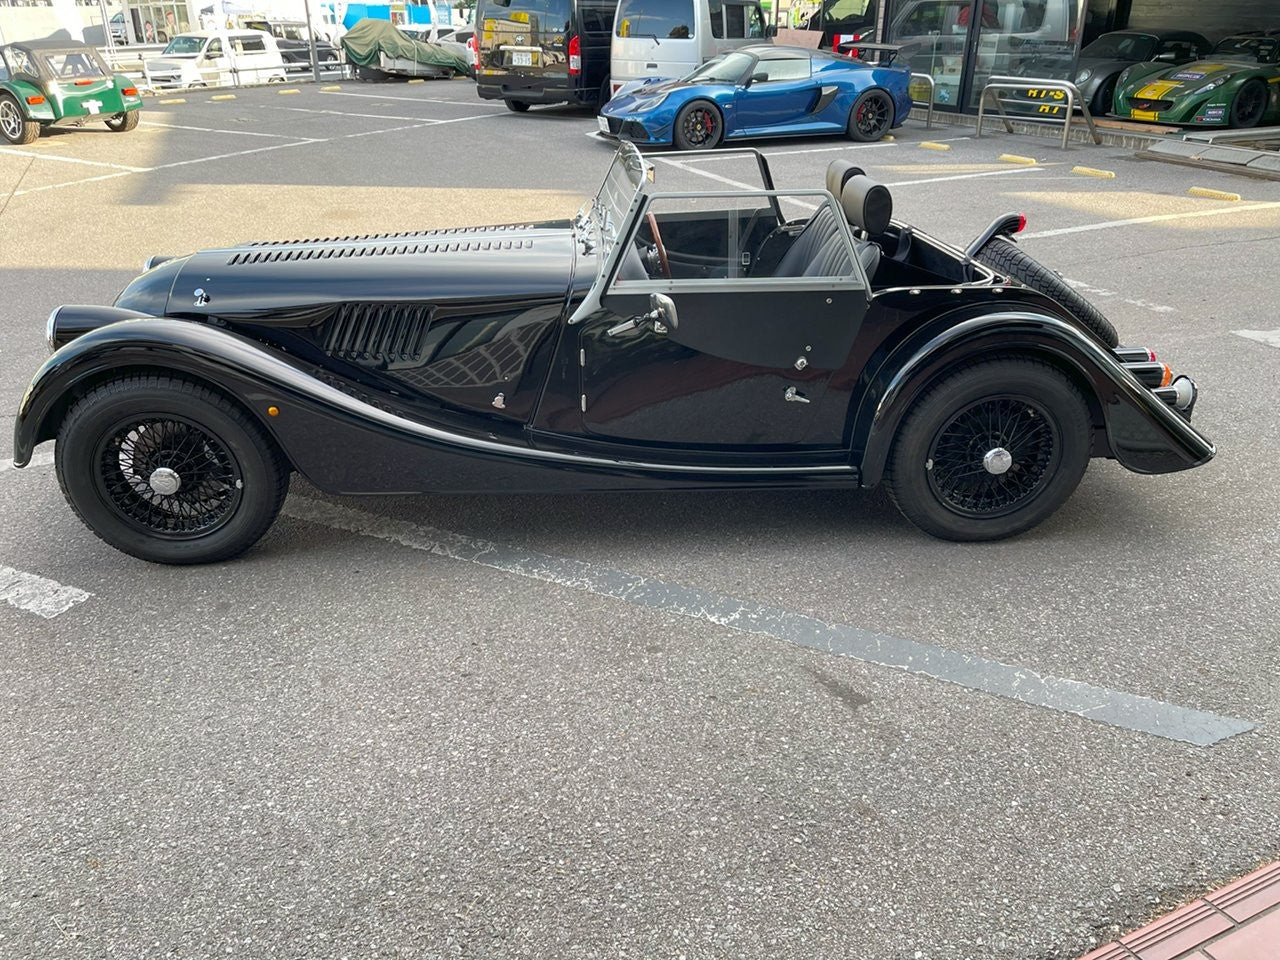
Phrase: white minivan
(672, 38)
(205, 58)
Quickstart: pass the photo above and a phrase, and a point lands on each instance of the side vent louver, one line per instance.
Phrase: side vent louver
(377, 332)
(297, 253)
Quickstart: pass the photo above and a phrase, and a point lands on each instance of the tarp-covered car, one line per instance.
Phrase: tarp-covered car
(679, 340)
(379, 49)
(47, 83)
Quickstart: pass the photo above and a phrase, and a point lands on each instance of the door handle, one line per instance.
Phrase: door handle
(792, 395)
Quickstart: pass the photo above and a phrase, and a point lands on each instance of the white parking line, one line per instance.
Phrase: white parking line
(785, 153)
(376, 96)
(39, 595)
(239, 133)
(342, 113)
(41, 458)
(1102, 292)
(1234, 209)
(53, 156)
(1116, 708)
(966, 176)
(1270, 337)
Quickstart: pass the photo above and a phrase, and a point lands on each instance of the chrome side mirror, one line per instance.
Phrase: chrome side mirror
(663, 308)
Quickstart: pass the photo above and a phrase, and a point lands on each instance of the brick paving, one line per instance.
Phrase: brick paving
(1239, 922)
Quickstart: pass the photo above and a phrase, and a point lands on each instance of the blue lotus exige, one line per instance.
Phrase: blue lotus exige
(762, 91)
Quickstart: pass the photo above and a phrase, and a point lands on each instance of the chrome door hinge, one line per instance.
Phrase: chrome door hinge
(584, 403)
(792, 395)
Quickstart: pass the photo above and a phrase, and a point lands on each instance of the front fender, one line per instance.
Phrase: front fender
(1142, 433)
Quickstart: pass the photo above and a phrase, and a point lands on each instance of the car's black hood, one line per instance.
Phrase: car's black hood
(291, 280)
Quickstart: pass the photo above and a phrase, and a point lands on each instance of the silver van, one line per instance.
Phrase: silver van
(672, 38)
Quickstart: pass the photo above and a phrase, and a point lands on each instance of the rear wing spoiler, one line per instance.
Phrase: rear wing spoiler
(888, 51)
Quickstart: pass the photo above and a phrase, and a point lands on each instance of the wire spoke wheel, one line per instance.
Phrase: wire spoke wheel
(168, 477)
(993, 456)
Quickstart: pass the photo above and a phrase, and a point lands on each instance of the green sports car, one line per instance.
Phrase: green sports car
(45, 83)
(1237, 86)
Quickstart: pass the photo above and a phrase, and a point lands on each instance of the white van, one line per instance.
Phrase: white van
(672, 38)
(205, 58)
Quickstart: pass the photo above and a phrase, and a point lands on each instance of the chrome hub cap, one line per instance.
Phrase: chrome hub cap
(166, 482)
(997, 460)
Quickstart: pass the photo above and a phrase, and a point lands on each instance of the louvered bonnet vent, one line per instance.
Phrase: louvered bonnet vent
(377, 332)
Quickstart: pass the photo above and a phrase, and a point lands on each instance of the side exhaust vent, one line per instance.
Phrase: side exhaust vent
(383, 333)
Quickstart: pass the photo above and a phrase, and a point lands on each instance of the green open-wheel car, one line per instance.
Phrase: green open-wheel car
(46, 83)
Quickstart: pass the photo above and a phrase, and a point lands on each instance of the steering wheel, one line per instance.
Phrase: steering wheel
(657, 242)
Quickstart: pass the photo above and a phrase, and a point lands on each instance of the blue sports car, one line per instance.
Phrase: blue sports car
(762, 91)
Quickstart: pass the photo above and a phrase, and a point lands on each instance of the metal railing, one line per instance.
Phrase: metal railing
(1074, 99)
(131, 61)
(933, 91)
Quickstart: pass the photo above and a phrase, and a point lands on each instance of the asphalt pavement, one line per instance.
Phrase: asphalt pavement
(440, 727)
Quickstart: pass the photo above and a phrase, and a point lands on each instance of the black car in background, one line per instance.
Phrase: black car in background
(544, 51)
(293, 39)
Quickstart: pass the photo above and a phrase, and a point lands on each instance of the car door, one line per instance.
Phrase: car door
(780, 91)
(740, 359)
(212, 63)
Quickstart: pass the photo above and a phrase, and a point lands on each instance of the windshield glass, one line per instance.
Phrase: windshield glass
(1262, 49)
(606, 213)
(1121, 46)
(729, 68)
(664, 19)
(182, 45)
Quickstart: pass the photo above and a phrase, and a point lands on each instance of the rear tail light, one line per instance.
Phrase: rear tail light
(473, 44)
(130, 91)
(1151, 374)
(1022, 223)
(1135, 354)
(35, 101)
(575, 56)
(84, 83)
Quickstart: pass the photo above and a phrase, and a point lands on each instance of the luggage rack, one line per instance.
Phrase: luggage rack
(996, 84)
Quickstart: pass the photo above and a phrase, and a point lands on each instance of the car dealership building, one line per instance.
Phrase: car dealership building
(961, 44)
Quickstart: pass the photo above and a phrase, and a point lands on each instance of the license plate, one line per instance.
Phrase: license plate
(522, 58)
(604, 124)
(1144, 114)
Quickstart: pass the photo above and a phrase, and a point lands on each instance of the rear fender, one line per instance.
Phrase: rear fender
(1144, 434)
(22, 91)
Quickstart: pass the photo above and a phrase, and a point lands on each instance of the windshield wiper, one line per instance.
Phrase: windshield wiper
(652, 36)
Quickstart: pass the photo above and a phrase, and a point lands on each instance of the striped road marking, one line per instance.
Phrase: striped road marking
(1270, 337)
(39, 595)
(1116, 708)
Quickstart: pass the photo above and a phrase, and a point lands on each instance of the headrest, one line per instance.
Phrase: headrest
(867, 204)
(838, 174)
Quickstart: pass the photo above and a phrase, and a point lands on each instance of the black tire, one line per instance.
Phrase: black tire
(605, 95)
(124, 122)
(1102, 100)
(1009, 260)
(14, 125)
(1250, 104)
(938, 472)
(518, 106)
(118, 439)
(699, 126)
(871, 117)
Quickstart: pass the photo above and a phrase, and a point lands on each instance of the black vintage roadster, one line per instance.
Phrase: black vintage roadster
(658, 341)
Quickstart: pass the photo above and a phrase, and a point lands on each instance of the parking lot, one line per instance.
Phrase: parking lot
(463, 726)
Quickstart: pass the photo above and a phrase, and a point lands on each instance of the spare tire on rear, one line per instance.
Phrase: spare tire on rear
(1008, 260)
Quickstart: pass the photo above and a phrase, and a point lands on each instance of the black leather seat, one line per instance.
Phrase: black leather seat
(819, 250)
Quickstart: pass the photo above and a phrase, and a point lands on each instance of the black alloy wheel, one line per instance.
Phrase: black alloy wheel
(991, 450)
(168, 470)
(871, 117)
(698, 126)
(1249, 105)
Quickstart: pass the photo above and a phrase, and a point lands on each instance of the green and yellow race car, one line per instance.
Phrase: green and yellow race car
(46, 83)
(1237, 86)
